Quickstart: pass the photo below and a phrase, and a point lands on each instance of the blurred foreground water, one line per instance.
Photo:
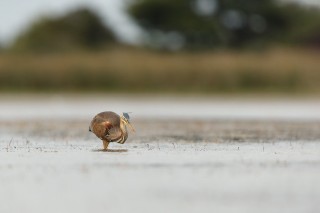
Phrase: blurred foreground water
(48, 157)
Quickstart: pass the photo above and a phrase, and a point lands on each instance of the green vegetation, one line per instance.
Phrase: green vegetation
(80, 29)
(305, 26)
(209, 24)
(220, 23)
(289, 71)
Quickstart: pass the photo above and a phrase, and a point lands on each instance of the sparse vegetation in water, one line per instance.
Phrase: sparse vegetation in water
(129, 70)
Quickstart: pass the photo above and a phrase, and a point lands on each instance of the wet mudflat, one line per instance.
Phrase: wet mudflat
(185, 165)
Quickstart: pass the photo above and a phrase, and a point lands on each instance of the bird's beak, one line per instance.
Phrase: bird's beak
(131, 127)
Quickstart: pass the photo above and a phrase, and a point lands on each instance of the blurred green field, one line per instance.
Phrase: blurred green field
(135, 70)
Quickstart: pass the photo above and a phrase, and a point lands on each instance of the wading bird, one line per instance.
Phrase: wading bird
(110, 127)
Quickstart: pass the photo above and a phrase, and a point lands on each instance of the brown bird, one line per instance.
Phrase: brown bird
(110, 127)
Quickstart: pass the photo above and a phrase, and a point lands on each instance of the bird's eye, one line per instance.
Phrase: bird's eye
(89, 129)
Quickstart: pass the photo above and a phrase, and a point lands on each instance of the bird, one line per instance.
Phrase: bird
(111, 127)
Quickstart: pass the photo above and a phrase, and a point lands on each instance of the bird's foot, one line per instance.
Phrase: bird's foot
(105, 145)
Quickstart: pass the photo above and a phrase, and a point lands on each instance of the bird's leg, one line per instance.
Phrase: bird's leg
(105, 144)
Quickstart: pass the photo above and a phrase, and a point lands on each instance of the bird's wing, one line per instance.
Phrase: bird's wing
(113, 134)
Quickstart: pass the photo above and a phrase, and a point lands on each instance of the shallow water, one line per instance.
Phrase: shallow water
(188, 155)
(86, 106)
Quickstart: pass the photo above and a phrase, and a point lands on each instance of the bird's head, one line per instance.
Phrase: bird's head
(125, 118)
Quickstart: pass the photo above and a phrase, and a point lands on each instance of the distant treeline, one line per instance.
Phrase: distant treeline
(208, 24)
(181, 25)
(79, 30)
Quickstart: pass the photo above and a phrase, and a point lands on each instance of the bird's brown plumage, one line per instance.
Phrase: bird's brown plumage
(108, 127)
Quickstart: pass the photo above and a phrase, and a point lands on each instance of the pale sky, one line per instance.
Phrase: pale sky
(17, 15)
